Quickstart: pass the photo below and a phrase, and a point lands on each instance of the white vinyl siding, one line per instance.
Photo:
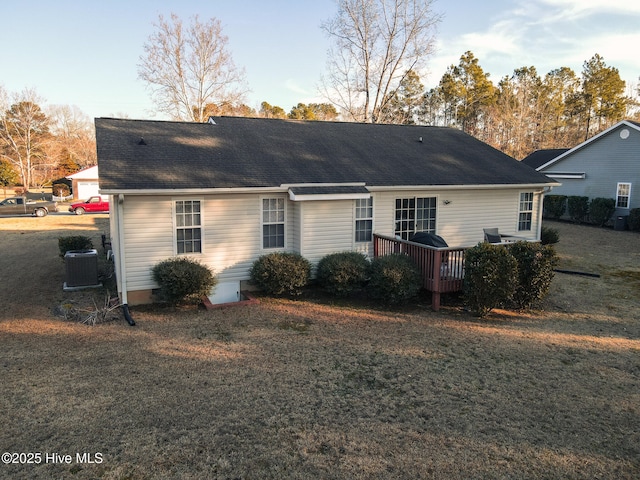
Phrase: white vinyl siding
(231, 232)
(462, 214)
(326, 227)
(232, 227)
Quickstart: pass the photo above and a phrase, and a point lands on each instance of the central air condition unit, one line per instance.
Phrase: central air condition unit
(81, 269)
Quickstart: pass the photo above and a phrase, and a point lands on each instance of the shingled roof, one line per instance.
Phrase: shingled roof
(239, 152)
(540, 157)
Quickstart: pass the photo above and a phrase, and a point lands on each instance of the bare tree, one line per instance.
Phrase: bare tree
(74, 142)
(24, 136)
(375, 44)
(190, 67)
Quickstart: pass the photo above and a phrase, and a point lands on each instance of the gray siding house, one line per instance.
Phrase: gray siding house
(607, 165)
(231, 190)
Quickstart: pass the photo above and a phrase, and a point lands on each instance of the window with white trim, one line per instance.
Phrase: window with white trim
(415, 215)
(188, 218)
(273, 223)
(364, 219)
(622, 195)
(525, 212)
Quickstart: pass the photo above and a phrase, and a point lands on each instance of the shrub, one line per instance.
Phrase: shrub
(395, 279)
(634, 219)
(549, 236)
(534, 273)
(183, 279)
(555, 206)
(281, 273)
(60, 189)
(74, 242)
(342, 273)
(578, 208)
(488, 280)
(601, 210)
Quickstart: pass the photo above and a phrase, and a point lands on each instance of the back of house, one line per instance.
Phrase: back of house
(228, 191)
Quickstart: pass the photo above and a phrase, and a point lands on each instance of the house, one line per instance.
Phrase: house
(606, 165)
(85, 183)
(231, 190)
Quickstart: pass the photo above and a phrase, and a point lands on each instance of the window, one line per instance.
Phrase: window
(415, 215)
(364, 219)
(188, 227)
(273, 223)
(525, 211)
(622, 197)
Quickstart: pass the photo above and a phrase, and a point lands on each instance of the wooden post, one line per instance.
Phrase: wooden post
(435, 293)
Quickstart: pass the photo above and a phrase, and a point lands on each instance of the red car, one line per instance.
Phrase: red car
(93, 204)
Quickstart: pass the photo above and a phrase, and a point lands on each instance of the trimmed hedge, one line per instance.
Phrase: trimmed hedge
(488, 280)
(555, 206)
(343, 273)
(395, 279)
(281, 273)
(549, 236)
(601, 210)
(535, 264)
(634, 219)
(578, 208)
(183, 280)
(74, 242)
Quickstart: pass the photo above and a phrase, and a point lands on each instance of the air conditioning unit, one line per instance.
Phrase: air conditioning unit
(81, 269)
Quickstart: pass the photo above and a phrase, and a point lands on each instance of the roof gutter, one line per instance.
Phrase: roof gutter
(284, 188)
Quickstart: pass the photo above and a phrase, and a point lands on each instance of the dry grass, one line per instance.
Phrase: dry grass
(307, 389)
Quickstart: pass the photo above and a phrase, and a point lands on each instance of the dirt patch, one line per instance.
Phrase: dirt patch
(311, 388)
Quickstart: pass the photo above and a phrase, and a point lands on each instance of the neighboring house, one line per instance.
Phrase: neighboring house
(606, 165)
(85, 183)
(231, 190)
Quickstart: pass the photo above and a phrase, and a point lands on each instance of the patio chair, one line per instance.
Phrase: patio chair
(492, 235)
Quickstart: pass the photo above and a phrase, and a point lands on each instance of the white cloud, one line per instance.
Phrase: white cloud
(546, 34)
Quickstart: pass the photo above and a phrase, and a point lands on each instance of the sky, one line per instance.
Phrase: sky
(86, 53)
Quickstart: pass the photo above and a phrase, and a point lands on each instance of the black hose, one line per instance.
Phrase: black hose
(127, 315)
(584, 274)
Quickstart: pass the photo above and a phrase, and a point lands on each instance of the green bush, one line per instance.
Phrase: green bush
(549, 236)
(281, 273)
(74, 242)
(578, 208)
(555, 206)
(535, 264)
(634, 219)
(488, 280)
(183, 280)
(601, 210)
(395, 279)
(342, 273)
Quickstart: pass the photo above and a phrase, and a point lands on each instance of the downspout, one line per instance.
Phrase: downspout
(121, 260)
(544, 191)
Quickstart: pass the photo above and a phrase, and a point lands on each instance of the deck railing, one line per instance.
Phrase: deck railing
(442, 268)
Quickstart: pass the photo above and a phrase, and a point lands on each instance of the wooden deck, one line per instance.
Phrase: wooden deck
(442, 268)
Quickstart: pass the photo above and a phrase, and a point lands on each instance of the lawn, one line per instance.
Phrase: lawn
(311, 388)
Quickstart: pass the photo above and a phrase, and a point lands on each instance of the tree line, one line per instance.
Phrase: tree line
(378, 49)
(38, 144)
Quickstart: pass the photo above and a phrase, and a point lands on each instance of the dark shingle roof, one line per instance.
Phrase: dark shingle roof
(540, 157)
(249, 152)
